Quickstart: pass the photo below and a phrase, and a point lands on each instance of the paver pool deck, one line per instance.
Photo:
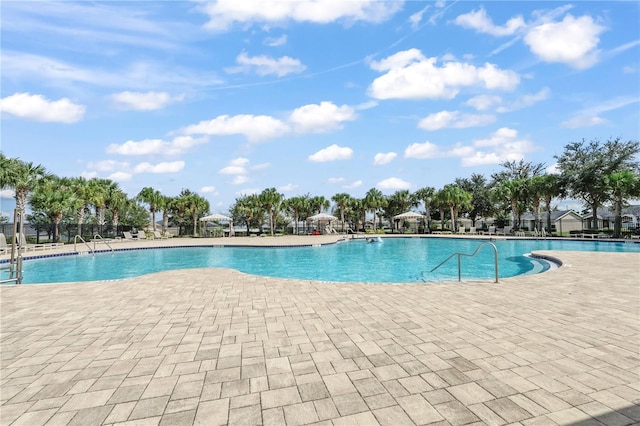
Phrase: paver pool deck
(218, 347)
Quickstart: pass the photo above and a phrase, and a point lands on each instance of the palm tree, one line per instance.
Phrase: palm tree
(426, 196)
(197, 205)
(515, 191)
(100, 190)
(152, 198)
(81, 199)
(271, 199)
(439, 201)
(22, 177)
(165, 206)
(374, 199)
(246, 209)
(456, 198)
(319, 203)
(550, 187)
(295, 206)
(342, 201)
(117, 201)
(52, 197)
(623, 184)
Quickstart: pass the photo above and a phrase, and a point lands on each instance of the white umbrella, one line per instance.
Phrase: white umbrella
(409, 215)
(324, 217)
(216, 217)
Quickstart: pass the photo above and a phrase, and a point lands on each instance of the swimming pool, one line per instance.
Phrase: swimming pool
(395, 260)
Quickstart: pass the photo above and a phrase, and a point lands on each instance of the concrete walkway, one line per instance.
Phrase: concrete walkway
(216, 347)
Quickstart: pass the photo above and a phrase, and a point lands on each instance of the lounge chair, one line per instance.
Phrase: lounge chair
(126, 236)
(4, 248)
(472, 230)
(462, 229)
(492, 230)
(142, 235)
(159, 235)
(506, 230)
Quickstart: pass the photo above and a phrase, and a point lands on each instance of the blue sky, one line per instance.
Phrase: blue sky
(227, 98)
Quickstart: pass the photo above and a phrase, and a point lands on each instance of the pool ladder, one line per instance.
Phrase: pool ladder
(459, 255)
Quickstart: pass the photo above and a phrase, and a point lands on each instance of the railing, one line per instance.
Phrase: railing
(99, 237)
(495, 252)
(75, 241)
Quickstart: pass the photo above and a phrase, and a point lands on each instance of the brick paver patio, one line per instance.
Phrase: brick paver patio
(218, 347)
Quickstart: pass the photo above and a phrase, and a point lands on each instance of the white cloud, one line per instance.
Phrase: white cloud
(416, 18)
(223, 14)
(38, 108)
(120, 176)
(239, 180)
(454, 119)
(288, 188)
(276, 41)
(484, 102)
(424, 150)
(106, 166)
(353, 185)
(502, 145)
(321, 118)
(393, 184)
(208, 189)
(177, 146)
(526, 101)
(410, 75)
(265, 65)
(237, 166)
(332, 153)
(383, 158)
(583, 121)
(336, 180)
(591, 116)
(479, 21)
(254, 127)
(166, 167)
(7, 193)
(141, 75)
(143, 101)
(572, 41)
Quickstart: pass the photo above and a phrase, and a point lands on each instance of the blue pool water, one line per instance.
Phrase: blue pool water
(399, 260)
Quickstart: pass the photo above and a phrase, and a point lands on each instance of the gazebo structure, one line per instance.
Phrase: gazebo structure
(216, 217)
(321, 218)
(409, 216)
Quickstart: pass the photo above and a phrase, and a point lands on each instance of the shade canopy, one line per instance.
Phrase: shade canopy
(409, 215)
(322, 217)
(216, 218)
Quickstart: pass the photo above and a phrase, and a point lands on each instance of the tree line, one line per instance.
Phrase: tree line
(597, 173)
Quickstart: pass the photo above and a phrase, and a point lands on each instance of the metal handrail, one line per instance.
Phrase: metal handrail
(99, 237)
(495, 251)
(75, 240)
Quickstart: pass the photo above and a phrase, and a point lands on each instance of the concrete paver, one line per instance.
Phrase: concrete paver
(216, 346)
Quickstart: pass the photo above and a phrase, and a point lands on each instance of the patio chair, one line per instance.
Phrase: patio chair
(461, 229)
(4, 248)
(126, 236)
(142, 235)
(472, 230)
(492, 230)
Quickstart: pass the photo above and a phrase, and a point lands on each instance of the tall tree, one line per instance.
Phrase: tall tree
(585, 165)
(318, 204)
(20, 176)
(550, 188)
(152, 198)
(271, 199)
(100, 190)
(52, 197)
(342, 202)
(426, 195)
(623, 185)
(477, 186)
(295, 206)
(374, 200)
(81, 199)
(456, 198)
